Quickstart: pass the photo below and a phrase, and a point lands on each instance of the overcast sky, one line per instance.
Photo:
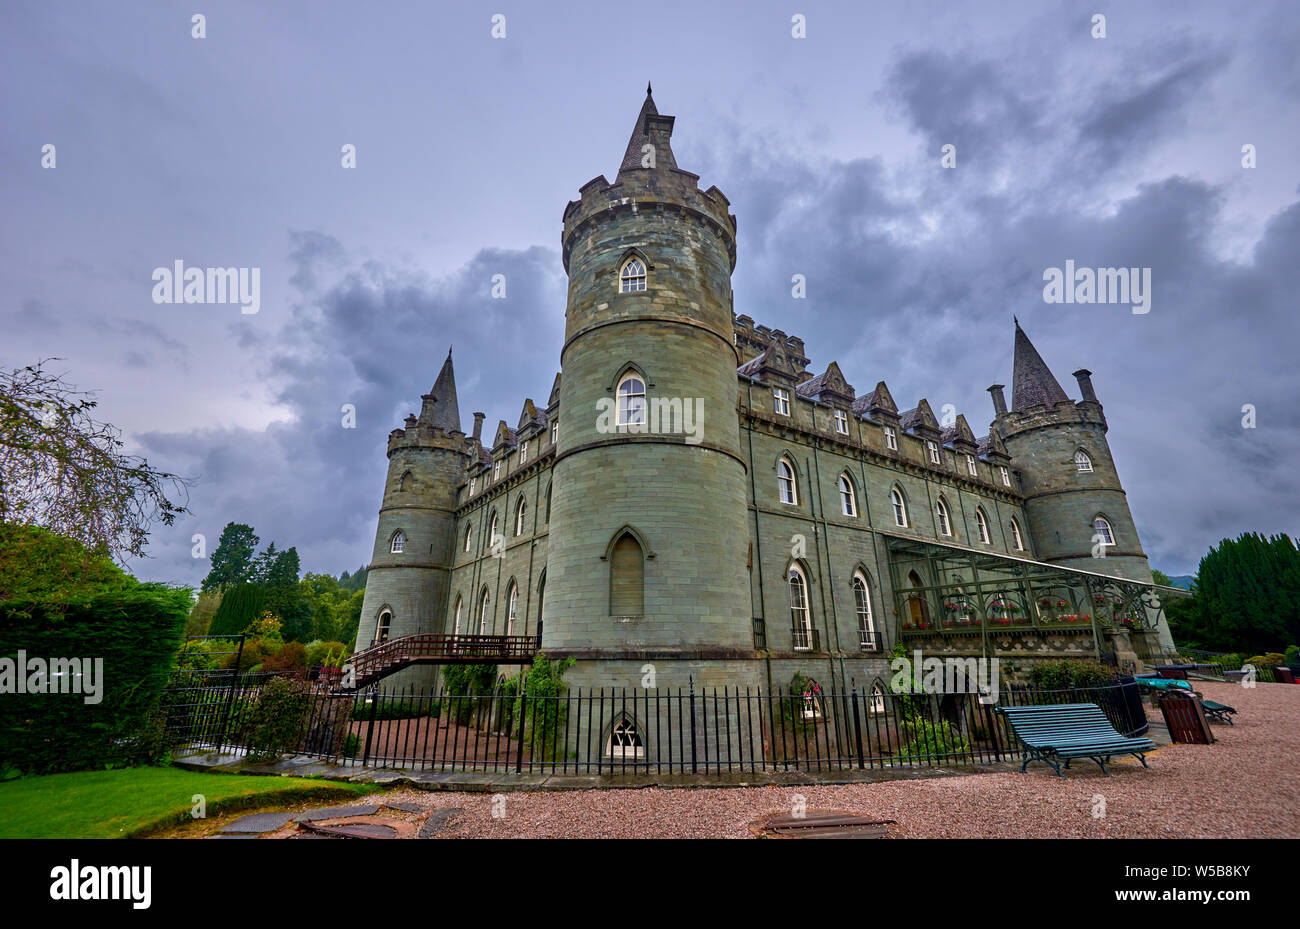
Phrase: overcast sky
(226, 151)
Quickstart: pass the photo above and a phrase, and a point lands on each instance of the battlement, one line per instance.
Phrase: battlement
(643, 190)
(418, 434)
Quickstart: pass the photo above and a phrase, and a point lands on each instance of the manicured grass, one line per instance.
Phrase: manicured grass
(136, 801)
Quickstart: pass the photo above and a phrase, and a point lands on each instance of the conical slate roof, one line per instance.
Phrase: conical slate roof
(1032, 382)
(443, 413)
(641, 137)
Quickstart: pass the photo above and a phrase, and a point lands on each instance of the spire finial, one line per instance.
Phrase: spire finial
(648, 91)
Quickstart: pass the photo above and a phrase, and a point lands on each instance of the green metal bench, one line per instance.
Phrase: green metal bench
(1065, 731)
(1220, 712)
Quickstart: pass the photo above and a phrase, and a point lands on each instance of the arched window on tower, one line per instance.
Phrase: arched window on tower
(398, 543)
(785, 485)
(632, 276)
(385, 624)
(1081, 461)
(1101, 527)
(407, 482)
(848, 500)
(626, 577)
(631, 401)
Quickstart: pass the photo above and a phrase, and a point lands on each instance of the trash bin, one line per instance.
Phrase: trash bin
(1282, 675)
(1185, 718)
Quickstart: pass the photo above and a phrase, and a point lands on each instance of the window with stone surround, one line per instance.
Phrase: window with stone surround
(624, 741)
(941, 518)
(841, 422)
(900, 507)
(626, 577)
(398, 543)
(848, 499)
(800, 618)
(632, 277)
(1081, 461)
(1016, 538)
(631, 401)
(970, 465)
(1005, 475)
(891, 438)
(933, 449)
(521, 510)
(787, 490)
(780, 401)
(1101, 526)
(982, 522)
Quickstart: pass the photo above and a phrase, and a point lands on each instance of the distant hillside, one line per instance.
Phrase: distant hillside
(1182, 580)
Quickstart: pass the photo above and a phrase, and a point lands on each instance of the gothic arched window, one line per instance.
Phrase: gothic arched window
(1102, 527)
(941, 519)
(398, 544)
(1016, 537)
(632, 277)
(785, 483)
(512, 608)
(1081, 461)
(626, 577)
(900, 507)
(862, 606)
(982, 522)
(800, 618)
(631, 401)
(521, 511)
(848, 500)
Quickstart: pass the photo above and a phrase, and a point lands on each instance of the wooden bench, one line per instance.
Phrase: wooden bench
(1065, 731)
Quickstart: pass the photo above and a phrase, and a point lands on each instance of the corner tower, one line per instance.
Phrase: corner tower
(647, 553)
(406, 588)
(1066, 471)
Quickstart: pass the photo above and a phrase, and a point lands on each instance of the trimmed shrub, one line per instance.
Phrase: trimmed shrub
(136, 631)
(276, 720)
(1062, 675)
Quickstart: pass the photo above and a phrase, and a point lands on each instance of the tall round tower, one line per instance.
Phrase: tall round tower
(406, 587)
(1077, 512)
(646, 558)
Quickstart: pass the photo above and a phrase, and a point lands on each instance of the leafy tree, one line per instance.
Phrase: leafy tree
(240, 605)
(203, 612)
(62, 469)
(1161, 578)
(232, 561)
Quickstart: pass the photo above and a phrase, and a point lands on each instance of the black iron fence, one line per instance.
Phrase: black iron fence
(633, 731)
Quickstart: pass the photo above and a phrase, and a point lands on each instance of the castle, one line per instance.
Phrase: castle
(693, 498)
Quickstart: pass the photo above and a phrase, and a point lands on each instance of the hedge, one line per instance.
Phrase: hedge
(136, 631)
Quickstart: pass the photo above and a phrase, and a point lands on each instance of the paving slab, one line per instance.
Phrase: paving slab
(335, 812)
(437, 821)
(258, 823)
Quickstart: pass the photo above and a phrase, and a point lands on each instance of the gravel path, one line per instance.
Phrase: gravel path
(1245, 785)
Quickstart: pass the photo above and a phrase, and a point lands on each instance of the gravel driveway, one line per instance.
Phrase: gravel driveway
(1244, 786)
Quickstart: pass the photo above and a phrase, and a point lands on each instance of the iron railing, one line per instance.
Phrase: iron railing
(643, 731)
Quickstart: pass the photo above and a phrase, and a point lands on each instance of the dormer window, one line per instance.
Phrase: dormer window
(780, 401)
(1005, 475)
(473, 485)
(496, 470)
(1081, 461)
(970, 465)
(523, 452)
(632, 277)
(933, 449)
(891, 438)
(555, 432)
(841, 422)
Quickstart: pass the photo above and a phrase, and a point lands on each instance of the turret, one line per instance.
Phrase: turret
(1077, 512)
(406, 588)
(648, 541)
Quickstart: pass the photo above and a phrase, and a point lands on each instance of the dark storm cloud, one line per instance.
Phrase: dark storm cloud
(1109, 152)
(373, 337)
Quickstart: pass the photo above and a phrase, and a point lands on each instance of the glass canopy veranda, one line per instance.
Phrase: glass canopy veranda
(944, 589)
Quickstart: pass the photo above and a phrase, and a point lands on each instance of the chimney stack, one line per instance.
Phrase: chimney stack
(478, 426)
(1084, 377)
(999, 399)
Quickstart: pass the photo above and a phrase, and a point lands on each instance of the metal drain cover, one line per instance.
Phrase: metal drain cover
(820, 824)
(353, 830)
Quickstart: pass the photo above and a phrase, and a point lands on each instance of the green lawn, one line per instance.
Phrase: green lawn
(136, 801)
